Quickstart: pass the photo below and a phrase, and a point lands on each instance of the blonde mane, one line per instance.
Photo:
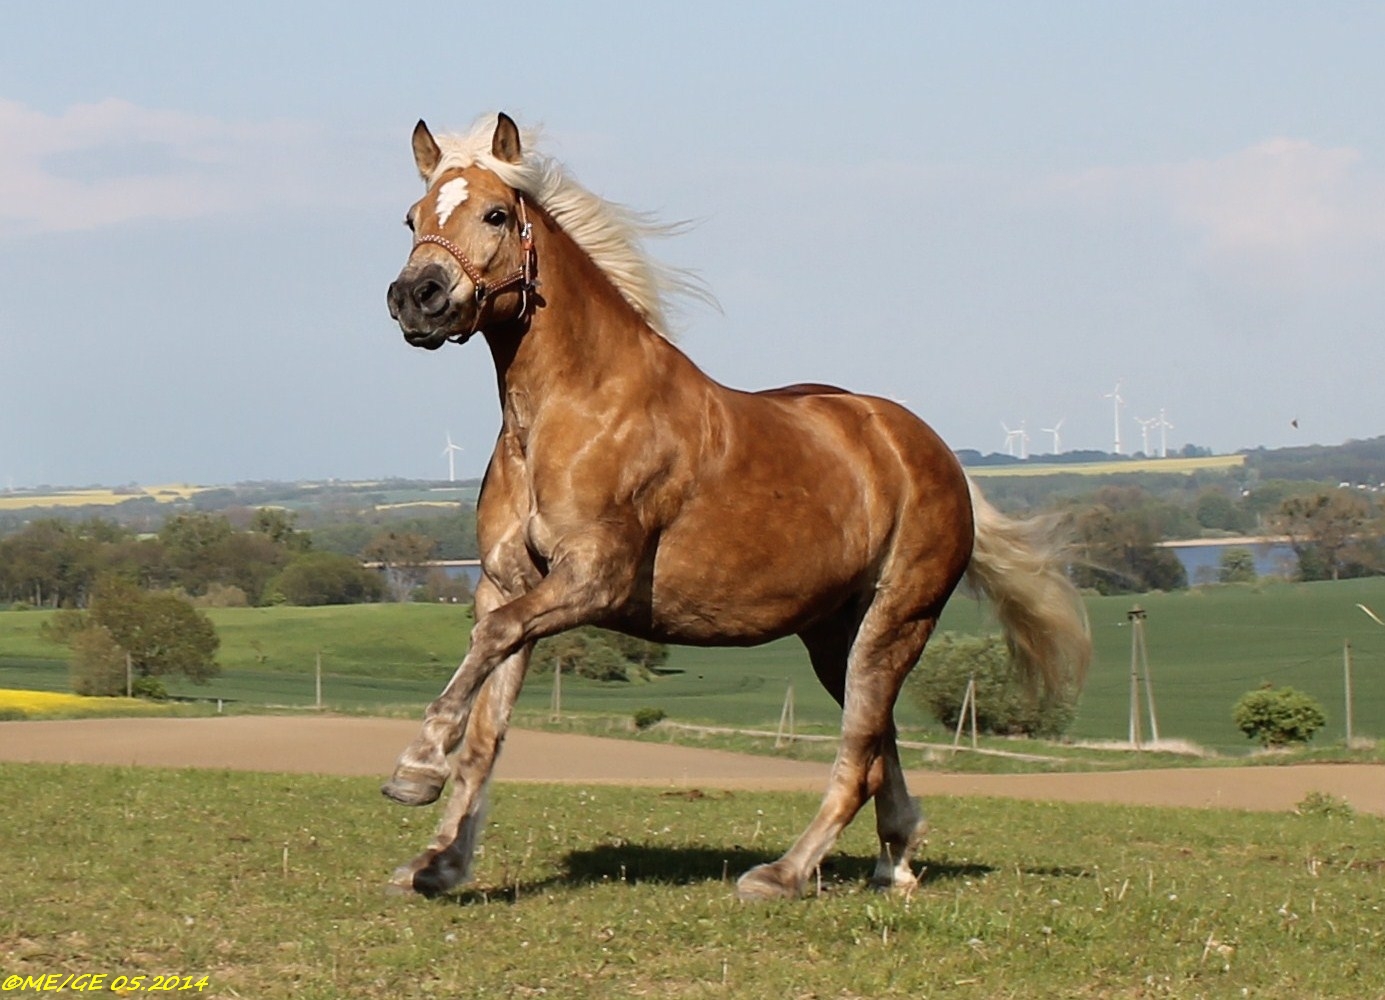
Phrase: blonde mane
(612, 235)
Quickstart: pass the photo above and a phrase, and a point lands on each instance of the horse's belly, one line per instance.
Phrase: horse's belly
(750, 590)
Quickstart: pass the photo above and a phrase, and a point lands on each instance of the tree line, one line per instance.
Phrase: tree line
(58, 563)
(264, 556)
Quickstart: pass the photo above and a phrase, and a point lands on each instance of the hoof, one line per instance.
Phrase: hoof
(401, 883)
(411, 787)
(897, 885)
(428, 881)
(766, 882)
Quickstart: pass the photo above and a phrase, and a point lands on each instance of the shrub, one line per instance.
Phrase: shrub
(1278, 716)
(1004, 704)
(1237, 566)
(97, 666)
(598, 654)
(149, 687)
(222, 595)
(646, 717)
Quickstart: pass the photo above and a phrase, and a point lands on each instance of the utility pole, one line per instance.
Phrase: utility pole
(968, 705)
(786, 719)
(1346, 669)
(1139, 663)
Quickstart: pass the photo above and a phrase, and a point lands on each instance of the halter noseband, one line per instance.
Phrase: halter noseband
(521, 278)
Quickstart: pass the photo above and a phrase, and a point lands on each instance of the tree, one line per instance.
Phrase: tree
(1237, 566)
(48, 562)
(1334, 534)
(1278, 716)
(1004, 704)
(280, 527)
(404, 556)
(1216, 511)
(162, 632)
(1117, 537)
(318, 578)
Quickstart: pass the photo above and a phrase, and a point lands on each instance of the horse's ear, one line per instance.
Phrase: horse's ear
(505, 143)
(427, 155)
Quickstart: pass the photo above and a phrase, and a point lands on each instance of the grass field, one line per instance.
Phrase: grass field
(261, 885)
(1206, 649)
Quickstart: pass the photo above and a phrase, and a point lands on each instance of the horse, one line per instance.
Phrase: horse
(630, 491)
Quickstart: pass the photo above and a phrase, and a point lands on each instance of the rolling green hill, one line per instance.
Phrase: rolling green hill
(1206, 649)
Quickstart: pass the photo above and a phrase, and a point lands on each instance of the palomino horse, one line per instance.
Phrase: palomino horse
(629, 490)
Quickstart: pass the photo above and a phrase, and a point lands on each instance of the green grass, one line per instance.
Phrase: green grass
(1206, 649)
(270, 885)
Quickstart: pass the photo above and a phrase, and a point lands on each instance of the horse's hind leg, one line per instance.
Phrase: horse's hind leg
(899, 821)
(867, 761)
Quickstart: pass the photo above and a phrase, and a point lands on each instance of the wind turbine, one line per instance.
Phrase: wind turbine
(1116, 399)
(1057, 442)
(1145, 425)
(1010, 437)
(1164, 428)
(451, 452)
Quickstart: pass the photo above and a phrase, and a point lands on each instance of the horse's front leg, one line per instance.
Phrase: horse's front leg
(584, 583)
(447, 861)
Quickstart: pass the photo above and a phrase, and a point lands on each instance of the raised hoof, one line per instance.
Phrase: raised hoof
(413, 788)
(765, 882)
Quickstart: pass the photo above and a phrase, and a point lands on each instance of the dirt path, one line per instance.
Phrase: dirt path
(365, 746)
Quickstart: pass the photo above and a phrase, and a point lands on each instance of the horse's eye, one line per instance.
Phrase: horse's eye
(496, 217)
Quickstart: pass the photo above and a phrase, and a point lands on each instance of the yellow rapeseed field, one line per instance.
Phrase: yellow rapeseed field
(54, 704)
(1180, 466)
(24, 500)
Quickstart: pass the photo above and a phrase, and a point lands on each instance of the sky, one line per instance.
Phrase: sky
(993, 212)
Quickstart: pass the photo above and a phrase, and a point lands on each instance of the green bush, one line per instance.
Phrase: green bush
(1237, 565)
(646, 717)
(97, 666)
(598, 654)
(1278, 716)
(1005, 705)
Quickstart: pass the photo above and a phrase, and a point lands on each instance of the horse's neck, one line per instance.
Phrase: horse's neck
(582, 332)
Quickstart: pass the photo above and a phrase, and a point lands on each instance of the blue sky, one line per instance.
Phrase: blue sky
(992, 211)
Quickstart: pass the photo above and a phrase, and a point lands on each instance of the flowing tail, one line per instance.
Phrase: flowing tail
(1019, 567)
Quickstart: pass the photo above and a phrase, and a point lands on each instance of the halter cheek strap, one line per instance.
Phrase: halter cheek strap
(522, 277)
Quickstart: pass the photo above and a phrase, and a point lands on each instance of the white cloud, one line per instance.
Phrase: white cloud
(113, 162)
(1286, 205)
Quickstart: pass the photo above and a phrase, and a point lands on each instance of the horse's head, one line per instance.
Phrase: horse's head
(472, 262)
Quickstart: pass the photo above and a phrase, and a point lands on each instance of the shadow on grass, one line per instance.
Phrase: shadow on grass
(681, 866)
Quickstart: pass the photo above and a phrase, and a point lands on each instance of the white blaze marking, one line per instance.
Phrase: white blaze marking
(450, 195)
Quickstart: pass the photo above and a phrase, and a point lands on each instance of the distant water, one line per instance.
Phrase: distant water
(1203, 562)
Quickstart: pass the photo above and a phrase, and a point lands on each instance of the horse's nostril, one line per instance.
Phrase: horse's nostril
(430, 296)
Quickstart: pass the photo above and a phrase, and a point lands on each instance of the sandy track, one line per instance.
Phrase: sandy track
(365, 746)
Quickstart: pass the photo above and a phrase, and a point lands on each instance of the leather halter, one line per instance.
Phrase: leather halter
(522, 277)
